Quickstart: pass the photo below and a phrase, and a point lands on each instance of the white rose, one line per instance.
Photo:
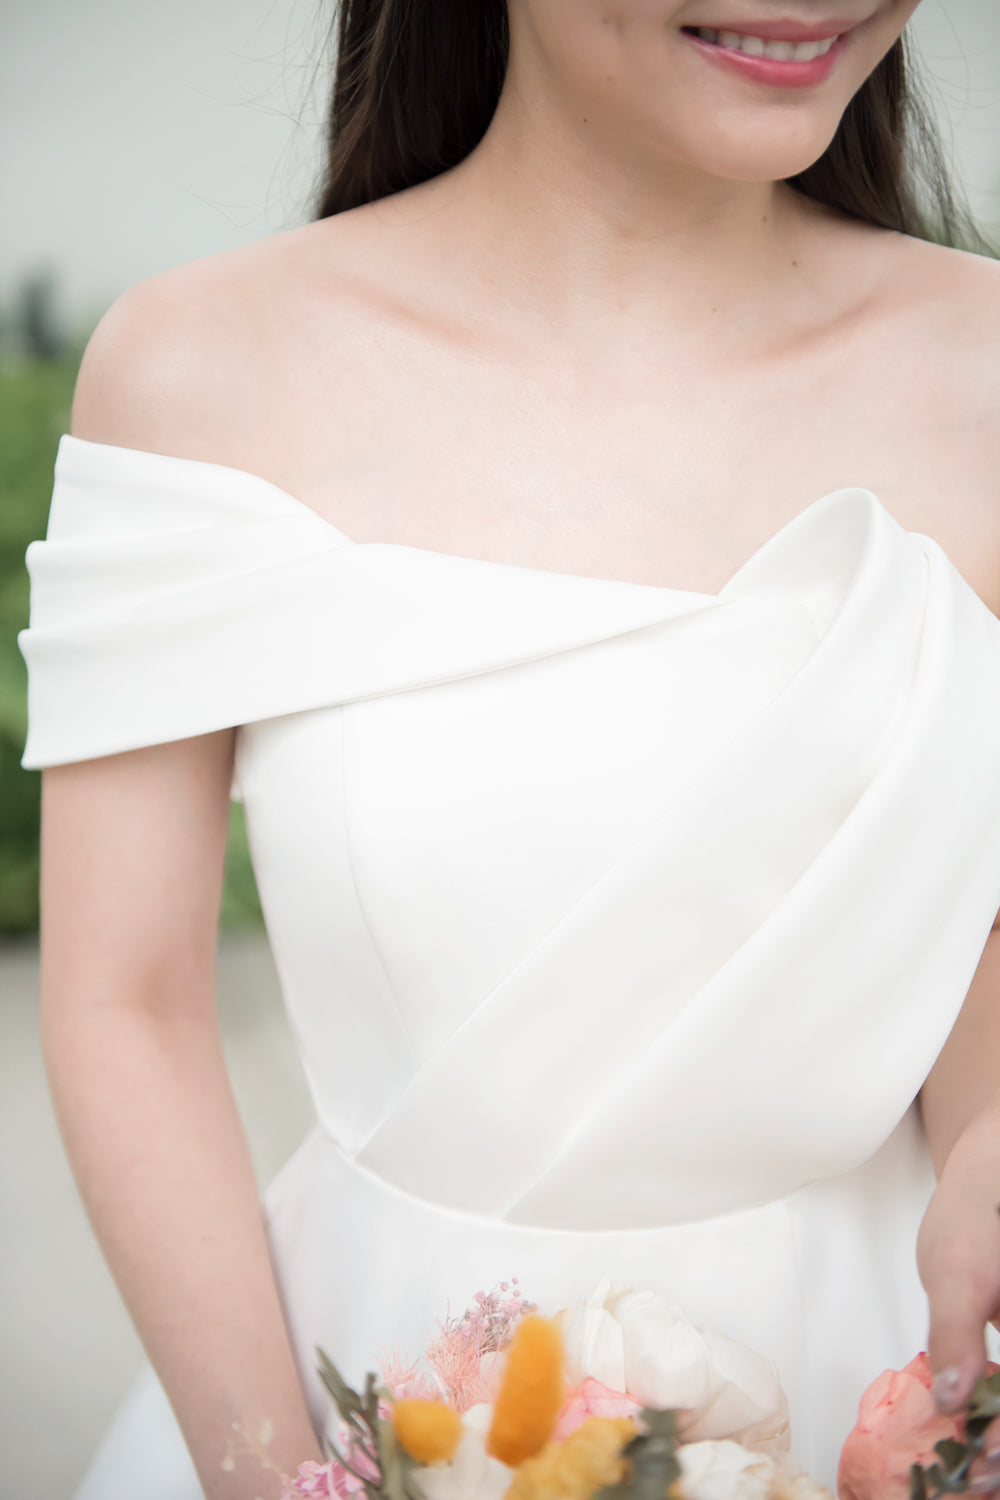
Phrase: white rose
(640, 1343)
(471, 1473)
(592, 1338)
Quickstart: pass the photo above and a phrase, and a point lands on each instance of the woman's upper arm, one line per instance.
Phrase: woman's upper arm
(133, 844)
(132, 861)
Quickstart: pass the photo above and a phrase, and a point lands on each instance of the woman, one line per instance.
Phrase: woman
(625, 817)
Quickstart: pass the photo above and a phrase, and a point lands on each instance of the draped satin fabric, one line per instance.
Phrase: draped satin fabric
(618, 926)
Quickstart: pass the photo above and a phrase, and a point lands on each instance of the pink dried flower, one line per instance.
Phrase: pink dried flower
(457, 1355)
(313, 1479)
(420, 1388)
(460, 1364)
(394, 1369)
(331, 1481)
(591, 1398)
(406, 1380)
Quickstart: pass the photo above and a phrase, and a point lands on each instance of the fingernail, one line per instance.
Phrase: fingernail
(987, 1484)
(945, 1387)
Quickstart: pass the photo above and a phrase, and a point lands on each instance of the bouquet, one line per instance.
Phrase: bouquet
(617, 1397)
(617, 1393)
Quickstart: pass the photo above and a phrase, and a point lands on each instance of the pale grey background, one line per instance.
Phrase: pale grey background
(136, 136)
(139, 135)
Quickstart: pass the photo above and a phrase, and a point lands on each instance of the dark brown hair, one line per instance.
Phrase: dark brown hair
(416, 83)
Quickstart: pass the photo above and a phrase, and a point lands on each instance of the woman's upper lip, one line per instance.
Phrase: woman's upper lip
(782, 31)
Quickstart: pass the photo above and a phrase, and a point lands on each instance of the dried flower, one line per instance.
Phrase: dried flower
(312, 1480)
(592, 1399)
(404, 1378)
(464, 1362)
(531, 1393)
(574, 1470)
(470, 1474)
(428, 1430)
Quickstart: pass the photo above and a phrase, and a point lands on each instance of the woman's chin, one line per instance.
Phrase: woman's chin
(763, 156)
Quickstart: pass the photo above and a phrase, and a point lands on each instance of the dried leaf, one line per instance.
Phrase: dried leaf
(348, 1401)
(395, 1464)
(652, 1459)
(984, 1402)
(345, 1463)
(944, 1483)
(953, 1454)
(918, 1483)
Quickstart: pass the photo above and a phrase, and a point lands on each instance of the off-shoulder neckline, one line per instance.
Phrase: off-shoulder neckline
(69, 442)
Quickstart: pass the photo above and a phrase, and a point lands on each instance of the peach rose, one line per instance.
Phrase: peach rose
(898, 1425)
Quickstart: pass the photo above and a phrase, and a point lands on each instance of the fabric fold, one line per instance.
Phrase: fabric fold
(144, 635)
(617, 926)
(849, 778)
(171, 597)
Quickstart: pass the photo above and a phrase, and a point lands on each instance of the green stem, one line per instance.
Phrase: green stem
(366, 1479)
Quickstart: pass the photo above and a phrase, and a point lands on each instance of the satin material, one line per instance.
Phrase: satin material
(618, 926)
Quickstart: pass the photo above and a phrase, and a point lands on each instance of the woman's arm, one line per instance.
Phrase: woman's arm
(958, 1246)
(962, 1089)
(132, 860)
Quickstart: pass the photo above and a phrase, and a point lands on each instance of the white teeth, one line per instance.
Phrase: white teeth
(756, 46)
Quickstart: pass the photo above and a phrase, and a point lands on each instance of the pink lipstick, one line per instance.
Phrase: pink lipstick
(780, 72)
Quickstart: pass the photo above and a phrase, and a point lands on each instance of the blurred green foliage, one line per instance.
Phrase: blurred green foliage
(35, 401)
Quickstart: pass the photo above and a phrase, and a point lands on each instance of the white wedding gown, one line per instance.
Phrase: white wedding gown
(618, 925)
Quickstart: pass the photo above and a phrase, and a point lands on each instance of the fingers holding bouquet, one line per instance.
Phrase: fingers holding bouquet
(958, 1257)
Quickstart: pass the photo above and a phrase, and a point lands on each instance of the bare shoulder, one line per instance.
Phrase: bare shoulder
(184, 361)
(950, 342)
(924, 355)
(953, 295)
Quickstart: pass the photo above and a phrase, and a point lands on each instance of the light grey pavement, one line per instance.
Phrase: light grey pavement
(67, 1346)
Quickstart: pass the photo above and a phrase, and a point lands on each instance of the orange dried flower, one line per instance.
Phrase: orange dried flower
(577, 1468)
(531, 1393)
(428, 1430)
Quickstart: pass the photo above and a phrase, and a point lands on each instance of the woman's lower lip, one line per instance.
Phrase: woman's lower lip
(795, 75)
